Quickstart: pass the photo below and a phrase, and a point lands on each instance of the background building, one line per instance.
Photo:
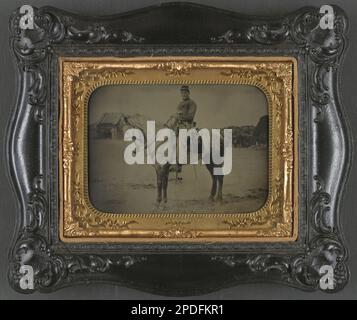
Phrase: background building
(108, 127)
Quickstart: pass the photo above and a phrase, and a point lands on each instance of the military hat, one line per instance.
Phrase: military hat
(185, 88)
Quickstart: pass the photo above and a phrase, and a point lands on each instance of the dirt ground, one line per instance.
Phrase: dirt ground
(117, 187)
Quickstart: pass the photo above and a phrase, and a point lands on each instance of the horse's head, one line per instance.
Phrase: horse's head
(124, 123)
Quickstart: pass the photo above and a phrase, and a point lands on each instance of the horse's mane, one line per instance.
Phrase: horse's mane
(139, 121)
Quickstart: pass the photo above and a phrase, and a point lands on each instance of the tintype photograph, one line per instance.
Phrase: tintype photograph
(116, 186)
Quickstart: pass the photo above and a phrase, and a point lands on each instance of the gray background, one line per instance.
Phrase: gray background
(252, 291)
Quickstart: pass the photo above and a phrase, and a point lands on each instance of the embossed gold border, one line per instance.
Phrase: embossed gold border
(276, 221)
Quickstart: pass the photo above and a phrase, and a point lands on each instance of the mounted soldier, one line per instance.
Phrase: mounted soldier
(186, 110)
(183, 119)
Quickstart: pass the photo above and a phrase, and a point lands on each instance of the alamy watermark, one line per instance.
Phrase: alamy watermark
(328, 19)
(27, 19)
(211, 146)
(327, 280)
(27, 279)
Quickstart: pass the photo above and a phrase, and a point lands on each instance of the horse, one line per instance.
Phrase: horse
(162, 170)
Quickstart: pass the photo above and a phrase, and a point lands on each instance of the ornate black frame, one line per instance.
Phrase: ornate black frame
(178, 29)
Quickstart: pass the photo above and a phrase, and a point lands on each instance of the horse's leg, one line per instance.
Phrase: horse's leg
(220, 186)
(158, 170)
(214, 182)
(214, 188)
(165, 180)
(178, 171)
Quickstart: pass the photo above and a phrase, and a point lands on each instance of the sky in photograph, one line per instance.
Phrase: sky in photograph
(218, 106)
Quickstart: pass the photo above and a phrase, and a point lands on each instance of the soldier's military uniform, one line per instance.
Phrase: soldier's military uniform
(184, 118)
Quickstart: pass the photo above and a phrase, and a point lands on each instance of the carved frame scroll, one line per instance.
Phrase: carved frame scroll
(324, 149)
